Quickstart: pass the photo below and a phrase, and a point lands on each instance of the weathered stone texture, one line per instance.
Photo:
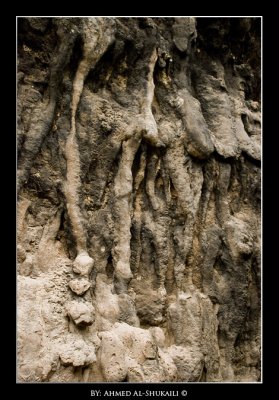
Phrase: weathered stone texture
(139, 199)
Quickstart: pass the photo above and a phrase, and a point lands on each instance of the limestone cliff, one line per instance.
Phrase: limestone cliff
(139, 146)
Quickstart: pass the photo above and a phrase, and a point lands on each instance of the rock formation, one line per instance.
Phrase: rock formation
(139, 146)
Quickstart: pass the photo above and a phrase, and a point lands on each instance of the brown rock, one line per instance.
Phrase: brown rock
(139, 147)
(83, 264)
(81, 313)
(79, 286)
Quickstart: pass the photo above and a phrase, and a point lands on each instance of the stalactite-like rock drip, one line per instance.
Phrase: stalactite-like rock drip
(144, 127)
(97, 34)
(139, 199)
(122, 208)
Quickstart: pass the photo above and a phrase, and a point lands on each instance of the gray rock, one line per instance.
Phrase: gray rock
(150, 307)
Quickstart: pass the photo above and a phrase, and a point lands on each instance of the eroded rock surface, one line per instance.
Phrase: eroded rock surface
(139, 146)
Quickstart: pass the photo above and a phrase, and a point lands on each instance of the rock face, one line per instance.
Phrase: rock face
(139, 145)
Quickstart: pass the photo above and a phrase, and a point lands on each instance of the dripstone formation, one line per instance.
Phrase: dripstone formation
(138, 248)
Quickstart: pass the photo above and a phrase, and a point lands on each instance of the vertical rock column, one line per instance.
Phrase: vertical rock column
(97, 36)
